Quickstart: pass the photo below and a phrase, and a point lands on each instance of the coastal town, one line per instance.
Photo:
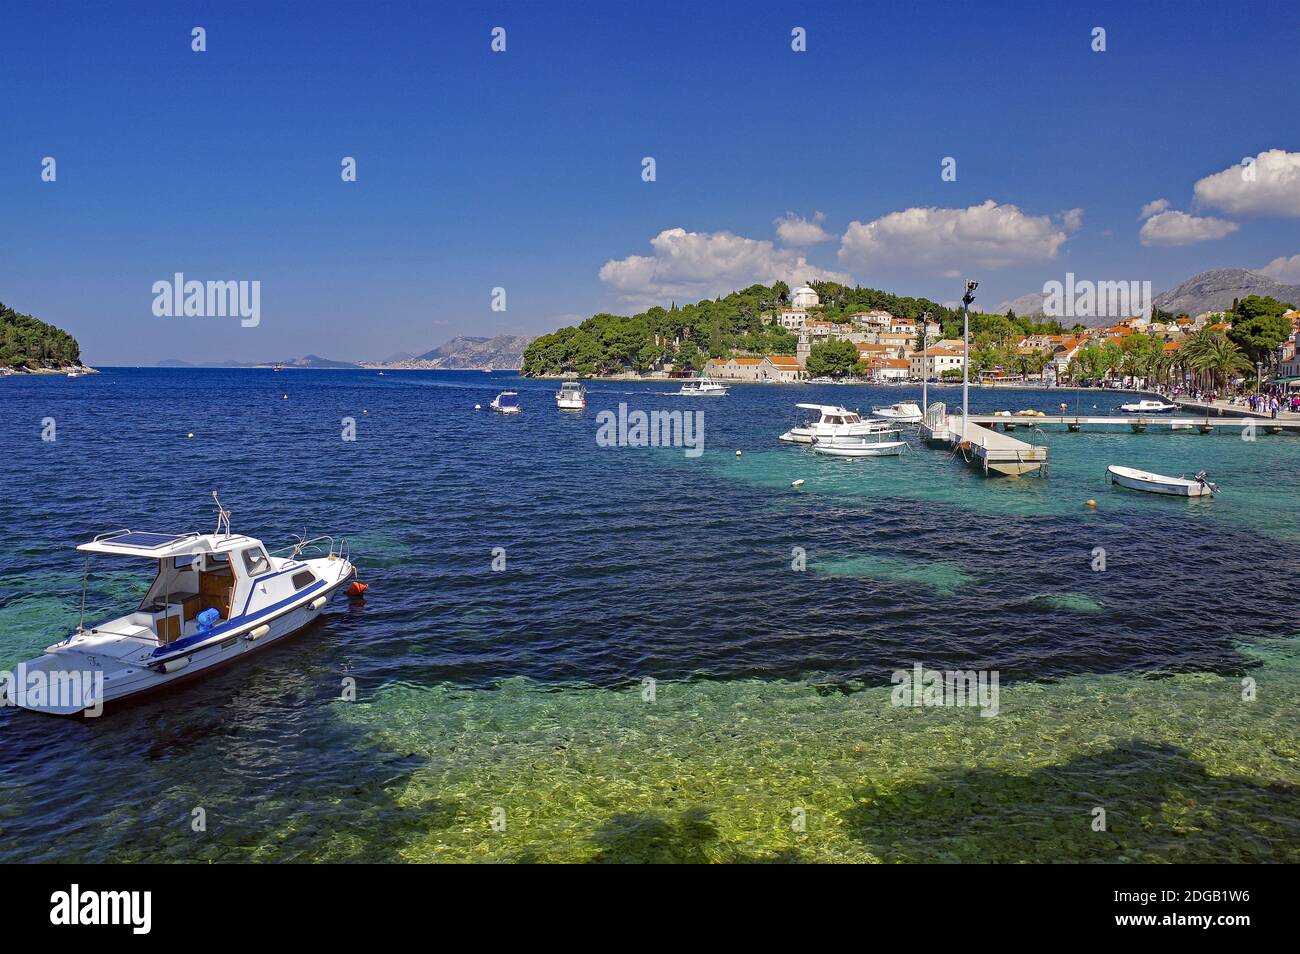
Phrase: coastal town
(809, 338)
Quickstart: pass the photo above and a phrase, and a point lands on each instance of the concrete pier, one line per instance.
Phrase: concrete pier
(984, 448)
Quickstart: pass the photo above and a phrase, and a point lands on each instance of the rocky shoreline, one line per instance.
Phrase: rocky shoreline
(69, 369)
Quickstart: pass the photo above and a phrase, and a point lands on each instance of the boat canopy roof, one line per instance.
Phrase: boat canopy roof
(159, 546)
(825, 408)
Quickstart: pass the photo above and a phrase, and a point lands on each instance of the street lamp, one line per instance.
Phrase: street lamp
(966, 299)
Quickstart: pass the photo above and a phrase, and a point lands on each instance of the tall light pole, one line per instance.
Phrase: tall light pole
(925, 374)
(966, 299)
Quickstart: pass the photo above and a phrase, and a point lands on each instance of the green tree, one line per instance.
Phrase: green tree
(832, 359)
(1258, 327)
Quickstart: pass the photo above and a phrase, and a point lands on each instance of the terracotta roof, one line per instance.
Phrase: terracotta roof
(748, 360)
(783, 360)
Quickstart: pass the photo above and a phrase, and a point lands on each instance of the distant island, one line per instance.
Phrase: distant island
(28, 344)
(502, 353)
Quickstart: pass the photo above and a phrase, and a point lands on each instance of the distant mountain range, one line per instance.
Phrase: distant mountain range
(1214, 290)
(502, 353)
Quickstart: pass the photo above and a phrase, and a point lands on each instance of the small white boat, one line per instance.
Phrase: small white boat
(904, 412)
(507, 402)
(861, 446)
(1147, 406)
(1198, 486)
(832, 421)
(703, 387)
(572, 396)
(215, 598)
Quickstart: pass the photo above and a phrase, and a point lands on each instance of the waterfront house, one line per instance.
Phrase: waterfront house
(933, 362)
(781, 367)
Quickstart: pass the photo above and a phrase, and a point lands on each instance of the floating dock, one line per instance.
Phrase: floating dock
(1139, 423)
(991, 451)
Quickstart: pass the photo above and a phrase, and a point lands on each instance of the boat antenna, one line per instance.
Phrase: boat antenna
(223, 516)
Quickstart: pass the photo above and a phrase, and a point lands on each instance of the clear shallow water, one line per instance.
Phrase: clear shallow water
(521, 690)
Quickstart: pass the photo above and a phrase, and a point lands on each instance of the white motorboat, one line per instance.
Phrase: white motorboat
(832, 421)
(1147, 406)
(859, 447)
(507, 402)
(703, 387)
(572, 396)
(904, 412)
(1198, 486)
(216, 598)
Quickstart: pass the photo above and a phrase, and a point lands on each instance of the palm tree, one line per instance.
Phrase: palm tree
(1223, 359)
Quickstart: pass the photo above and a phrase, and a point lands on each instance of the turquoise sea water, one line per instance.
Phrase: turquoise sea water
(651, 677)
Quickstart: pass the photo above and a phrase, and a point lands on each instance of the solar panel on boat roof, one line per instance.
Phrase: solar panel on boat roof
(148, 541)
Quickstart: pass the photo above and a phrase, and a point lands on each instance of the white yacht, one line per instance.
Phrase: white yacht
(572, 396)
(1147, 406)
(507, 402)
(904, 412)
(832, 421)
(215, 598)
(703, 387)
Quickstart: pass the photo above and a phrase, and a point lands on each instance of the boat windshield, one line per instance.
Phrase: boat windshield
(852, 419)
(507, 400)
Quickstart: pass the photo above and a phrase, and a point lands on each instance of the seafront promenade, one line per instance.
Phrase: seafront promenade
(1223, 408)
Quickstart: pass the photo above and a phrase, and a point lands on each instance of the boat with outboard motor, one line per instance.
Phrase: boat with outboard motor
(1199, 486)
(832, 421)
(216, 597)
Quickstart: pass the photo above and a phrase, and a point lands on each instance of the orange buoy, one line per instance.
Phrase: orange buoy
(357, 589)
(1090, 503)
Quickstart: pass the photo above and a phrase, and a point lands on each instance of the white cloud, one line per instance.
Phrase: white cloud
(1283, 269)
(1271, 186)
(795, 230)
(1152, 208)
(946, 240)
(1179, 228)
(694, 265)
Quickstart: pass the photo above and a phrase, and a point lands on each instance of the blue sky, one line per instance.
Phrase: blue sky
(523, 169)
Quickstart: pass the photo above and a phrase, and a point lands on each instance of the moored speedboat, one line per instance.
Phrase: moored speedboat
(832, 421)
(703, 387)
(904, 412)
(1147, 406)
(572, 396)
(507, 402)
(216, 598)
(1198, 486)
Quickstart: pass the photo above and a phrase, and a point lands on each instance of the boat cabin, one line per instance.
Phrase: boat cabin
(201, 582)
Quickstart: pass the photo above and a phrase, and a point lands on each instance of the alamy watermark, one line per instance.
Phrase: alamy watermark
(70, 689)
(212, 299)
(954, 688)
(1089, 299)
(651, 429)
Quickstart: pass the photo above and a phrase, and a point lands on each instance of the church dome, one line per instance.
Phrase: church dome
(804, 297)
